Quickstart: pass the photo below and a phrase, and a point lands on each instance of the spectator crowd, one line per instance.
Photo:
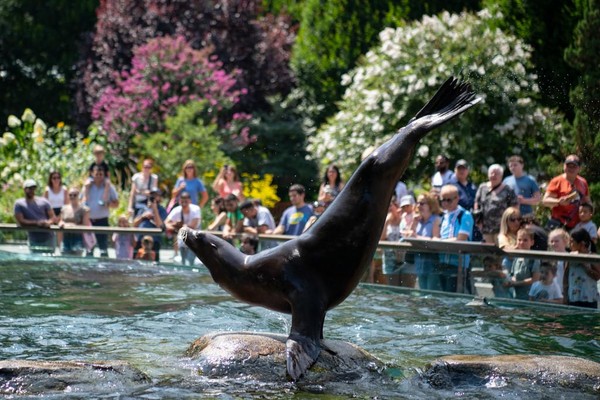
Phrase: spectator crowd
(500, 211)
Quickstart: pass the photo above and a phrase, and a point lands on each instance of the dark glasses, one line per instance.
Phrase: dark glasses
(447, 200)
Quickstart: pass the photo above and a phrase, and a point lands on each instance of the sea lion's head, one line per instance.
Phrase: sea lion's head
(210, 249)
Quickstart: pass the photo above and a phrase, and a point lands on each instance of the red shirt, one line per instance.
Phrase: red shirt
(560, 186)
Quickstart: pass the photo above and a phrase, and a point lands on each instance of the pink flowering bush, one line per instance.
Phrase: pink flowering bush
(166, 73)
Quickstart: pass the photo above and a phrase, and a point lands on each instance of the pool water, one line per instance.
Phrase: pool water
(147, 315)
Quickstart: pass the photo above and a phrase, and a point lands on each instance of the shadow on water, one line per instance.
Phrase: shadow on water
(147, 315)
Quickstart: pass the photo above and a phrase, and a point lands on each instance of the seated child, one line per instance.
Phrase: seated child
(124, 242)
(496, 275)
(546, 289)
(146, 252)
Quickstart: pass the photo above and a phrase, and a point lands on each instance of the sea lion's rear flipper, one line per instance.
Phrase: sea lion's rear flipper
(301, 353)
(452, 98)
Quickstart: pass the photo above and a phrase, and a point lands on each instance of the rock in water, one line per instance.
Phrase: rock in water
(262, 356)
(23, 377)
(457, 371)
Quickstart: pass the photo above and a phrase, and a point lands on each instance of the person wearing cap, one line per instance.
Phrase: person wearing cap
(141, 184)
(35, 211)
(258, 220)
(443, 175)
(152, 215)
(565, 193)
(466, 188)
(524, 186)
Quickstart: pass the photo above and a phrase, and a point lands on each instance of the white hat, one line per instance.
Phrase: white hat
(407, 200)
(29, 183)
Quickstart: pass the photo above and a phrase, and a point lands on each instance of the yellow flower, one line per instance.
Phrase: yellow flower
(60, 125)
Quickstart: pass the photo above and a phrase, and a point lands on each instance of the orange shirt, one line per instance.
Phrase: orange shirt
(559, 186)
(142, 255)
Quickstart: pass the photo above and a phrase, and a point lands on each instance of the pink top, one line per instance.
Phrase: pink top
(226, 189)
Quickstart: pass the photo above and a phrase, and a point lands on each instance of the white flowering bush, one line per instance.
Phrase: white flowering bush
(394, 80)
(30, 149)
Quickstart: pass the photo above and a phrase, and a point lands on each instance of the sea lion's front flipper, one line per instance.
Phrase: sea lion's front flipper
(301, 352)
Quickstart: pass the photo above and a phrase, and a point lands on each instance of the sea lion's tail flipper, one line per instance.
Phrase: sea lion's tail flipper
(451, 99)
(301, 353)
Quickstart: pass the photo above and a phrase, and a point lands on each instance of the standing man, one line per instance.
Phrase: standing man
(443, 175)
(524, 186)
(457, 224)
(185, 214)
(466, 188)
(35, 211)
(565, 193)
(294, 217)
(151, 216)
(100, 200)
(258, 220)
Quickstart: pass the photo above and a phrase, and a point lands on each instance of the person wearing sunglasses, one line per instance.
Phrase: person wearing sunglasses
(457, 225)
(72, 214)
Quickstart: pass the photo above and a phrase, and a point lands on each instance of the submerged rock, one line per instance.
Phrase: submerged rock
(22, 377)
(488, 371)
(261, 356)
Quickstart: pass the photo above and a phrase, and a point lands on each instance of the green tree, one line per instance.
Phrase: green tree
(39, 42)
(548, 28)
(280, 149)
(584, 56)
(188, 135)
(335, 33)
(396, 78)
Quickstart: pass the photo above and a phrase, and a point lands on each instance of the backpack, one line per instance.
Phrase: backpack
(476, 235)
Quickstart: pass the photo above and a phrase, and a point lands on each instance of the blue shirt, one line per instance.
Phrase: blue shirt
(466, 194)
(294, 219)
(453, 223)
(193, 186)
(524, 186)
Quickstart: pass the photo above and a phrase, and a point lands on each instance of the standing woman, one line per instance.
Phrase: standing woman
(228, 182)
(426, 225)
(56, 193)
(142, 184)
(190, 183)
(332, 184)
(73, 214)
(492, 198)
(581, 277)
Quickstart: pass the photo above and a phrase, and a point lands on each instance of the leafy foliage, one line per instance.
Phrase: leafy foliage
(39, 43)
(280, 149)
(261, 188)
(584, 56)
(395, 79)
(188, 135)
(258, 46)
(165, 73)
(31, 150)
(333, 35)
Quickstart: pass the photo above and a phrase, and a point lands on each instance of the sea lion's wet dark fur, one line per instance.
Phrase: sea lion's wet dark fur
(316, 271)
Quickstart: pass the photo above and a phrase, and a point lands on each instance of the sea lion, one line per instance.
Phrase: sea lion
(316, 271)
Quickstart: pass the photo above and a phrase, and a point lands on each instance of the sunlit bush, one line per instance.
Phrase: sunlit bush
(394, 80)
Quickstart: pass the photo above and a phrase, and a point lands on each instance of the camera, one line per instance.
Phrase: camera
(151, 200)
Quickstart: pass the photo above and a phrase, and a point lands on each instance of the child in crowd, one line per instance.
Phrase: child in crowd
(103, 165)
(146, 252)
(546, 289)
(496, 275)
(558, 239)
(582, 277)
(524, 271)
(586, 212)
(249, 244)
(124, 242)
